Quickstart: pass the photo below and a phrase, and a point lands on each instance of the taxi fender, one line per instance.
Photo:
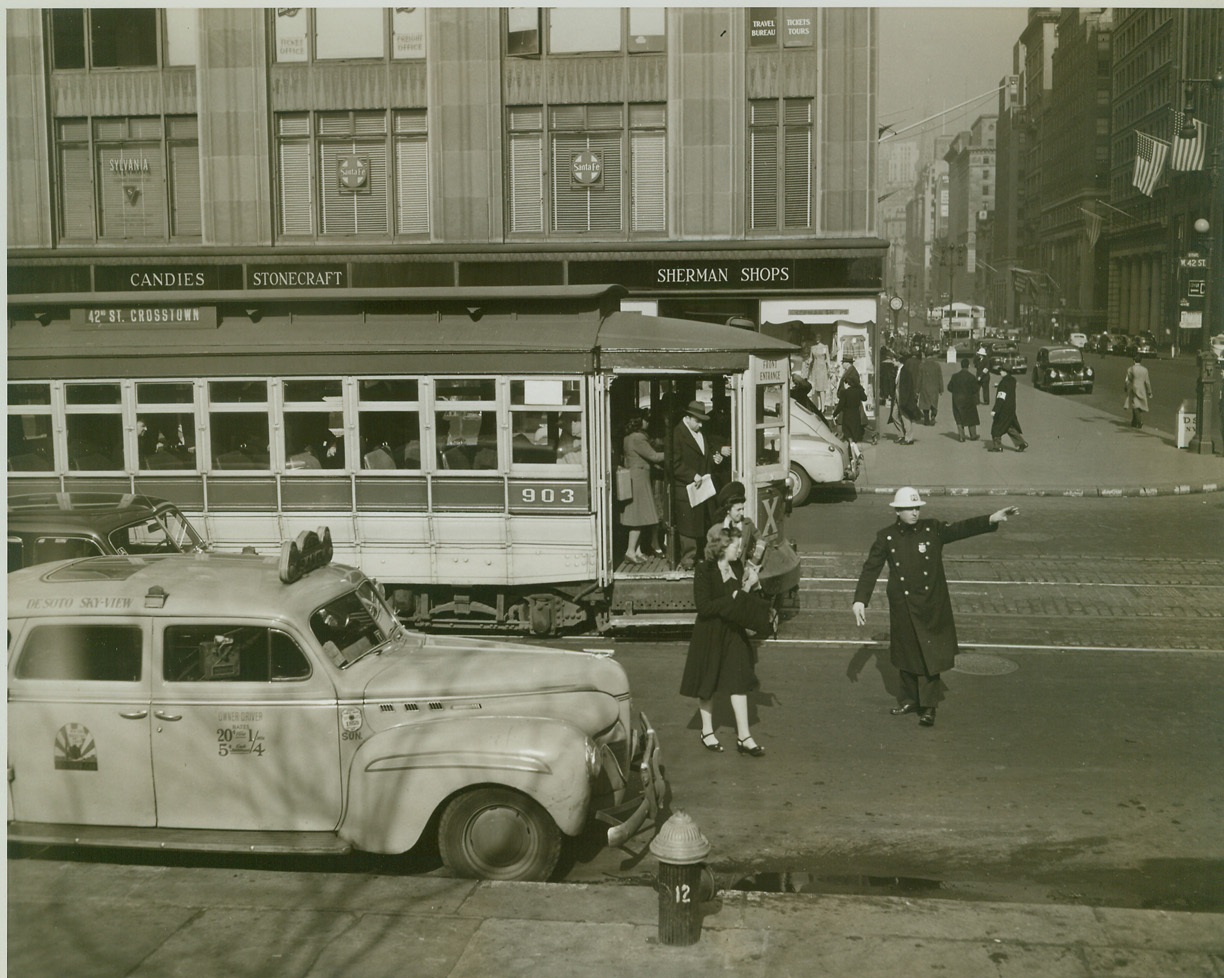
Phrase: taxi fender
(400, 777)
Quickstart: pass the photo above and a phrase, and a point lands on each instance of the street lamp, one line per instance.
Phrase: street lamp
(1212, 230)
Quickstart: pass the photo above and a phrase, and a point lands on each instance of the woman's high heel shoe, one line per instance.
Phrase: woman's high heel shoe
(756, 750)
(710, 742)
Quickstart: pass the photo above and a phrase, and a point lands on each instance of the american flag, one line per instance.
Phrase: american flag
(1149, 162)
(1189, 153)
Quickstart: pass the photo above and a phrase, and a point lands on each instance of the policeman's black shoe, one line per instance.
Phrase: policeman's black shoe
(903, 709)
(926, 718)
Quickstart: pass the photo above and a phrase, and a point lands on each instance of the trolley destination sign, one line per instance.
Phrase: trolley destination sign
(126, 317)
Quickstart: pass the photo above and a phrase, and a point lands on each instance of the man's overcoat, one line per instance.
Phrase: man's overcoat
(922, 632)
(688, 461)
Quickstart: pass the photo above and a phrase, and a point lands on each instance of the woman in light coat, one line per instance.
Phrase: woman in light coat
(1138, 389)
(639, 512)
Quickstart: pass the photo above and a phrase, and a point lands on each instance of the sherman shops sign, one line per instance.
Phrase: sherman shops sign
(734, 273)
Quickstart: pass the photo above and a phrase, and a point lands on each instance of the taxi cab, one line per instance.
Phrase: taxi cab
(276, 704)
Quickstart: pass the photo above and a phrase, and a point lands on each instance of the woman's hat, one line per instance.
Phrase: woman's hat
(697, 410)
(907, 498)
(730, 494)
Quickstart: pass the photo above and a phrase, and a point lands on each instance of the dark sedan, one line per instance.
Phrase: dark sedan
(1005, 357)
(1061, 368)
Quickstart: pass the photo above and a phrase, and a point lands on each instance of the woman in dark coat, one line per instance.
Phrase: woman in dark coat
(721, 658)
(850, 398)
(964, 390)
(1005, 420)
(922, 633)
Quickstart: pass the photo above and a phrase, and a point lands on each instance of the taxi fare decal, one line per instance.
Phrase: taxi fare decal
(237, 735)
(350, 719)
(75, 749)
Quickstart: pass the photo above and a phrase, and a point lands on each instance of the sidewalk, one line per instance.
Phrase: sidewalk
(1074, 450)
(147, 922)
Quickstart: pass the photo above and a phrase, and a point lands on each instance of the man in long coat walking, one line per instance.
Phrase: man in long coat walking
(922, 633)
(964, 390)
(1138, 388)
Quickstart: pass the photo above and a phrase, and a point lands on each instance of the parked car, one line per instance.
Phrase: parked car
(817, 455)
(1101, 343)
(236, 702)
(1124, 345)
(1060, 368)
(1079, 340)
(1003, 356)
(50, 526)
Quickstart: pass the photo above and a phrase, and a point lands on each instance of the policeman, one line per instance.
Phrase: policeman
(922, 634)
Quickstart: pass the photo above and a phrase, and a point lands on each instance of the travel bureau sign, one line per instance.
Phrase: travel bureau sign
(353, 174)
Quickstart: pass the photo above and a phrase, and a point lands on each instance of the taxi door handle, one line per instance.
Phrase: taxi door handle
(137, 715)
(167, 716)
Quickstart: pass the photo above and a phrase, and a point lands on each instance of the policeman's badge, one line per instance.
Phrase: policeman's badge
(922, 548)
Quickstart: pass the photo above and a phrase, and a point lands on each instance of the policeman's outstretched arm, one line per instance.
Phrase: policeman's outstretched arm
(1001, 515)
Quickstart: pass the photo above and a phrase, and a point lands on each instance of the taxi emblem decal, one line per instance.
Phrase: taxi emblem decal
(351, 719)
(75, 749)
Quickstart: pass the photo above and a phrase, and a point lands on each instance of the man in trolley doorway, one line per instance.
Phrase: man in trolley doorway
(692, 462)
(922, 634)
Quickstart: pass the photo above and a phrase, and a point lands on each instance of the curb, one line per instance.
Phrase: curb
(1097, 492)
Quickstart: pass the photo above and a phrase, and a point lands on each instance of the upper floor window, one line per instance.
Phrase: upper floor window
(585, 30)
(303, 34)
(127, 37)
(780, 163)
(578, 169)
(128, 178)
(788, 27)
(353, 173)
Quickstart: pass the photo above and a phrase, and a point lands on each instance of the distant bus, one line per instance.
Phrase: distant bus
(961, 325)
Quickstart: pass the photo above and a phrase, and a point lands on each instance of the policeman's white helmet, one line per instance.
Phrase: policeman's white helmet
(907, 498)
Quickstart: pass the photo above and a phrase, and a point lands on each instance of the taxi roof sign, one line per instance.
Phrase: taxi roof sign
(312, 549)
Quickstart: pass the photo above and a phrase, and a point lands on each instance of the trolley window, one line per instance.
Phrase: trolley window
(165, 425)
(314, 410)
(238, 424)
(465, 423)
(30, 447)
(94, 426)
(389, 423)
(546, 426)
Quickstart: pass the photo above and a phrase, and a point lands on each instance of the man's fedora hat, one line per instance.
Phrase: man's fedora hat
(697, 410)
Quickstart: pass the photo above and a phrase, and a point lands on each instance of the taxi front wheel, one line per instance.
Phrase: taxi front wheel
(498, 834)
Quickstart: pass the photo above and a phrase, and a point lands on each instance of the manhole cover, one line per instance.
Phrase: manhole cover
(977, 664)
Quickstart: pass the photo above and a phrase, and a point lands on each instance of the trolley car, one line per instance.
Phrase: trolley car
(459, 443)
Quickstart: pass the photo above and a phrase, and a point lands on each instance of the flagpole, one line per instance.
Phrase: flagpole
(1204, 441)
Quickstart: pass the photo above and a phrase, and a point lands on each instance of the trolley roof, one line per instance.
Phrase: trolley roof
(492, 330)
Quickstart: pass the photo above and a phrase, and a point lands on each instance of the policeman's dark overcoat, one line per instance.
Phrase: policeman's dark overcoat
(922, 632)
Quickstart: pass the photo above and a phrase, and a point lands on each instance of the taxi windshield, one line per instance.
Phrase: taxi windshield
(166, 532)
(354, 625)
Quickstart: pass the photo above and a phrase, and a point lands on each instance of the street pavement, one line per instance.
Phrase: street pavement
(1074, 449)
(120, 919)
(148, 922)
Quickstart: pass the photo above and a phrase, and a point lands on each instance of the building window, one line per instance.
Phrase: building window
(128, 178)
(127, 37)
(344, 173)
(788, 27)
(303, 34)
(780, 164)
(604, 166)
(586, 30)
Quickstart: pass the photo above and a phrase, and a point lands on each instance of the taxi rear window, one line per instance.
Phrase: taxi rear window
(97, 653)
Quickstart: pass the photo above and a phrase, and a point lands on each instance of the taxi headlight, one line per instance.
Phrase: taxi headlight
(1053, 375)
(1088, 372)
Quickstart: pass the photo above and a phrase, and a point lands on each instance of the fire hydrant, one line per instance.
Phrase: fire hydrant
(680, 848)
